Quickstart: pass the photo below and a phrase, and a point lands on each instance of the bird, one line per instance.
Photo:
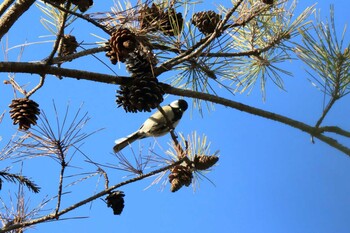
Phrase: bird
(156, 125)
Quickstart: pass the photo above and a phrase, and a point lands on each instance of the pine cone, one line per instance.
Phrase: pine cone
(68, 45)
(140, 63)
(143, 94)
(270, 2)
(180, 176)
(83, 5)
(171, 23)
(204, 162)
(206, 21)
(149, 17)
(24, 112)
(115, 200)
(121, 43)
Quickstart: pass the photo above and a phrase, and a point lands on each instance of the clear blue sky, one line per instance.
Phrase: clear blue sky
(270, 178)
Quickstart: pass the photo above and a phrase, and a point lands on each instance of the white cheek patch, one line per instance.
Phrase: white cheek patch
(174, 104)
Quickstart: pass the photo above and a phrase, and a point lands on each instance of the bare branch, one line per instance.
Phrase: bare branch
(5, 5)
(103, 78)
(58, 60)
(259, 112)
(37, 87)
(335, 129)
(85, 201)
(12, 14)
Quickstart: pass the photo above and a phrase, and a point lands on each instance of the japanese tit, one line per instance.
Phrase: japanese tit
(155, 125)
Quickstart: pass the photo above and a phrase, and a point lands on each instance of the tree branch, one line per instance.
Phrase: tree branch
(60, 34)
(87, 200)
(104, 78)
(258, 112)
(5, 5)
(40, 68)
(336, 130)
(12, 15)
(59, 60)
(198, 47)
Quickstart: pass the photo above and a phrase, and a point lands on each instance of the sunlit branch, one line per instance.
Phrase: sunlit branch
(12, 15)
(5, 5)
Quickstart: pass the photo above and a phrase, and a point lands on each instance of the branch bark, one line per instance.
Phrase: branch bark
(5, 5)
(22, 67)
(12, 15)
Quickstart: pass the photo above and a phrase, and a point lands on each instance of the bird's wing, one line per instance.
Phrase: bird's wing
(155, 125)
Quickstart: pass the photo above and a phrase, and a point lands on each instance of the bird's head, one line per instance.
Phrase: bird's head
(179, 104)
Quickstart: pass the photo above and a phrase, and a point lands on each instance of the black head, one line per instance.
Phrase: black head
(179, 104)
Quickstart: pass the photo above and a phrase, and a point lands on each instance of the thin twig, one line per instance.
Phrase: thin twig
(93, 22)
(16, 86)
(105, 176)
(60, 189)
(87, 200)
(61, 157)
(326, 110)
(335, 96)
(37, 87)
(59, 60)
(334, 129)
(60, 34)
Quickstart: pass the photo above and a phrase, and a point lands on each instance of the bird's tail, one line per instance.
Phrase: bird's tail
(123, 142)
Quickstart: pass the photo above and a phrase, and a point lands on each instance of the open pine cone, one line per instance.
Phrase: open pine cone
(24, 112)
(180, 175)
(149, 17)
(140, 63)
(143, 94)
(120, 45)
(155, 18)
(68, 45)
(204, 162)
(206, 21)
(171, 23)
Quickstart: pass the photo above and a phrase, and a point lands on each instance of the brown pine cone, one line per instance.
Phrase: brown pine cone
(143, 94)
(121, 43)
(206, 21)
(24, 112)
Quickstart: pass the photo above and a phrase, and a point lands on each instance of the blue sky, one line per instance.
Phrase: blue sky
(270, 177)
